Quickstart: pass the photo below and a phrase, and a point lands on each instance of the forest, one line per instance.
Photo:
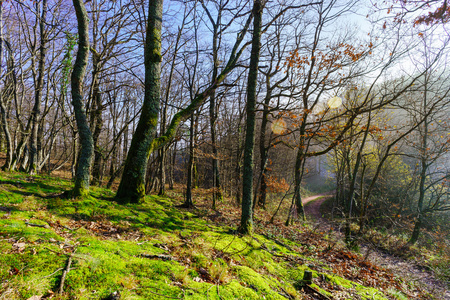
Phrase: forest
(280, 120)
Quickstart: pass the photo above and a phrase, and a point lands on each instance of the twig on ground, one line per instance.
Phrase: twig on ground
(71, 229)
(63, 278)
(49, 274)
(158, 256)
(37, 225)
(312, 290)
(218, 294)
(227, 246)
(59, 253)
(207, 291)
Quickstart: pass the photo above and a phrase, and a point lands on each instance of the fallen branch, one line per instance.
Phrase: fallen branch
(71, 229)
(285, 294)
(307, 288)
(56, 252)
(158, 256)
(37, 225)
(218, 294)
(63, 278)
(5, 209)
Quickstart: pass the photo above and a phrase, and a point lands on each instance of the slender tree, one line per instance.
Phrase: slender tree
(3, 116)
(87, 145)
(247, 186)
(36, 114)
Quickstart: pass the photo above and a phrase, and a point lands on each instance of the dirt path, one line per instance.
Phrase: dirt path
(313, 209)
(405, 269)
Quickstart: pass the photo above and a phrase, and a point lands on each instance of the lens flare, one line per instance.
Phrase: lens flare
(334, 102)
(279, 126)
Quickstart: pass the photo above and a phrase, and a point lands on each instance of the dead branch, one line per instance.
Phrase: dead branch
(63, 278)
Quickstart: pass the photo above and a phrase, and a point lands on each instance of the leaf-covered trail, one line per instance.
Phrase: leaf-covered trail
(313, 209)
(406, 269)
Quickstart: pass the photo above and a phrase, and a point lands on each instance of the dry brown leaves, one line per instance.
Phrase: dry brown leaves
(102, 228)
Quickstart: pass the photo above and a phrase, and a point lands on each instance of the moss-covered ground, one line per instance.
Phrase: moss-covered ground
(156, 250)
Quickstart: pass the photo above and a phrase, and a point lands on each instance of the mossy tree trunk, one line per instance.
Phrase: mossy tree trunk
(98, 155)
(132, 185)
(82, 175)
(299, 169)
(247, 186)
(96, 119)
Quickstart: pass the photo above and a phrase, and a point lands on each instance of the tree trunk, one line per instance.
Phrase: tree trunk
(263, 150)
(416, 231)
(132, 185)
(36, 114)
(82, 175)
(297, 198)
(97, 119)
(162, 171)
(247, 187)
(217, 190)
(3, 116)
(423, 176)
(188, 201)
(173, 160)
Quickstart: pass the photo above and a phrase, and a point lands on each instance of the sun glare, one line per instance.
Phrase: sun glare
(279, 126)
(334, 102)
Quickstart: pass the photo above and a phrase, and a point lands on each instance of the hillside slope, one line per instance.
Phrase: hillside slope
(94, 248)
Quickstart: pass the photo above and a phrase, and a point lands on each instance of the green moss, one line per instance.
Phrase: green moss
(340, 281)
(240, 267)
(262, 284)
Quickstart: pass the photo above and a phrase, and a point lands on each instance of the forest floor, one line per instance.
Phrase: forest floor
(91, 248)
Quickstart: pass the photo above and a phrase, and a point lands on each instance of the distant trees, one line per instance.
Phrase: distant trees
(389, 166)
(429, 144)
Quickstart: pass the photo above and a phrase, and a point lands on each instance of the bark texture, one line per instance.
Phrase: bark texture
(132, 185)
(82, 175)
(36, 114)
(247, 186)
(3, 116)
